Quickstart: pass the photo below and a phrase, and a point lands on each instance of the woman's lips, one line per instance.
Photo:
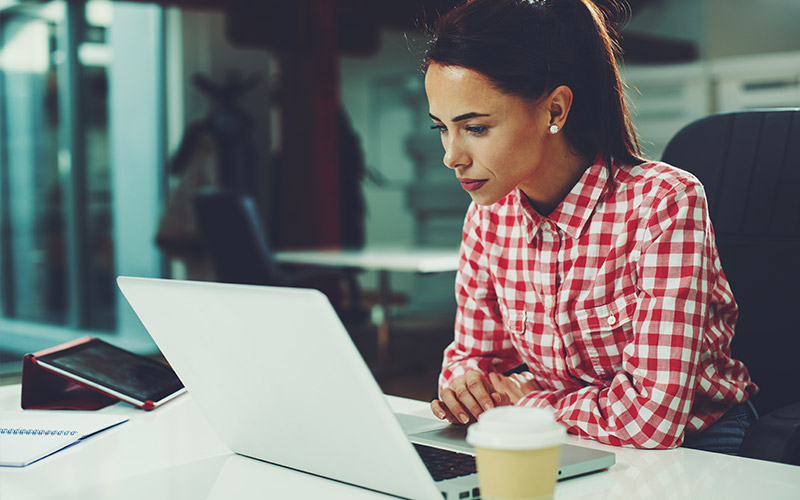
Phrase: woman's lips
(472, 184)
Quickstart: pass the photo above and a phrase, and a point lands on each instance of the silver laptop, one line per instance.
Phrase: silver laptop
(278, 378)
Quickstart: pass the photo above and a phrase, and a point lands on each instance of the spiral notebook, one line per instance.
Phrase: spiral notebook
(25, 439)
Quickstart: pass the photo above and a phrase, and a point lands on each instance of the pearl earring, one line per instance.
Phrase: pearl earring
(553, 129)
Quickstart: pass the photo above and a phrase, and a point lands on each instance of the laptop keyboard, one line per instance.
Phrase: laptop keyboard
(444, 464)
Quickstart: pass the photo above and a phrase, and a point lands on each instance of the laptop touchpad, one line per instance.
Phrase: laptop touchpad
(452, 437)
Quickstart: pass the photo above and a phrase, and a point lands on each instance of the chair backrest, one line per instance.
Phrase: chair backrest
(235, 237)
(749, 163)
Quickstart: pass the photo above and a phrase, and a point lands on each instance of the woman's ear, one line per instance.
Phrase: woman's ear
(559, 103)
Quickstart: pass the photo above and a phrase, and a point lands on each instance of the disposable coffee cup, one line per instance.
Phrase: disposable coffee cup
(517, 451)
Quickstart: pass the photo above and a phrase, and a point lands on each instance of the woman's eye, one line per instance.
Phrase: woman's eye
(441, 128)
(476, 129)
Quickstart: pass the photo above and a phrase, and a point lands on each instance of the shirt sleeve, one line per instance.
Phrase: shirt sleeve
(480, 342)
(648, 402)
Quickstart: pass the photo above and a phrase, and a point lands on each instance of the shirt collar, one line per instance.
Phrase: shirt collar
(572, 214)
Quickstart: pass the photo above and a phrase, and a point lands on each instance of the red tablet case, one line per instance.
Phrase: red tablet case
(44, 389)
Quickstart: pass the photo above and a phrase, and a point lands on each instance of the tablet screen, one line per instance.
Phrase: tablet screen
(110, 367)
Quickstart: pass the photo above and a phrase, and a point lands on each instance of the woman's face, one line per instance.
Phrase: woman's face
(493, 141)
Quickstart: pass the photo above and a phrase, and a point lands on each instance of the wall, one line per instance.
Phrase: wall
(744, 27)
(724, 28)
(738, 41)
(681, 19)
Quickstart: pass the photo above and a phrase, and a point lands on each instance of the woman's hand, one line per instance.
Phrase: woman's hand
(467, 397)
(515, 386)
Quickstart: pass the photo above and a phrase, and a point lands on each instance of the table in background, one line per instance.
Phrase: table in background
(383, 260)
(172, 453)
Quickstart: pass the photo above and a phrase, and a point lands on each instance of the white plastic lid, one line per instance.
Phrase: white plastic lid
(516, 428)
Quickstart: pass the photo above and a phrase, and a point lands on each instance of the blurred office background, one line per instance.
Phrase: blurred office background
(112, 114)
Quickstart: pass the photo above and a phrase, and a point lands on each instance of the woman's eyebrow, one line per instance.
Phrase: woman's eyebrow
(465, 116)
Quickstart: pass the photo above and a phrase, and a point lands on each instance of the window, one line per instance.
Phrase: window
(60, 224)
(56, 253)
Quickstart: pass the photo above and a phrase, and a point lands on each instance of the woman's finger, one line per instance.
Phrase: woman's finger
(442, 412)
(500, 382)
(452, 401)
(511, 386)
(526, 382)
(480, 388)
(501, 399)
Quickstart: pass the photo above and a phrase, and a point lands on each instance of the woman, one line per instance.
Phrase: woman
(590, 267)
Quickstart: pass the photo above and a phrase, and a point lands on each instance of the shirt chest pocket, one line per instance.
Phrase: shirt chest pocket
(515, 322)
(601, 333)
(535, 345)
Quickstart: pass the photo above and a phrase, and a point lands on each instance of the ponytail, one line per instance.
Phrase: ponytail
(603, 123)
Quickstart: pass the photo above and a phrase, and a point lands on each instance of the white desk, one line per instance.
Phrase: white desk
(384, 260)
(171, 453)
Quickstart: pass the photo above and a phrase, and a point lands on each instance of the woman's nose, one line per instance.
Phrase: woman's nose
(454, 155)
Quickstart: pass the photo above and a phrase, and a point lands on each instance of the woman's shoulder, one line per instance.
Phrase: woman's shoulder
(657, 178)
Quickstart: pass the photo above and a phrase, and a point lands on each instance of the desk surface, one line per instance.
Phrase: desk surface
(422, 260)
(172, 453)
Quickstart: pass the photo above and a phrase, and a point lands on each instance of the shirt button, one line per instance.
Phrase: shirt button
(546, 226)
(550, 302)
(612, 320)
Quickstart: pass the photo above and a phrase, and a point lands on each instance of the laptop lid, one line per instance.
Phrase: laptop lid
(278, 378)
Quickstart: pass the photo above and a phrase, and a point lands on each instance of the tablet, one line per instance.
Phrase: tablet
(133, 378)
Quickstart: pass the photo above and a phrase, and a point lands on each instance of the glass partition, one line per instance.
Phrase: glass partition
(56, 246)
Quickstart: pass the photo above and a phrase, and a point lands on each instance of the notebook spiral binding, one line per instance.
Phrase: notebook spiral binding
(36, 432)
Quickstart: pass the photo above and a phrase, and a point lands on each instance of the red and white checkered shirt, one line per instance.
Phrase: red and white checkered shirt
(616, 302)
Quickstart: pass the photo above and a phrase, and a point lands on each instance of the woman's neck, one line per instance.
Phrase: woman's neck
(562, 170)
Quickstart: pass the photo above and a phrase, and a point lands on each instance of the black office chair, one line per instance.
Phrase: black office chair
(236, 239)
(749, 163)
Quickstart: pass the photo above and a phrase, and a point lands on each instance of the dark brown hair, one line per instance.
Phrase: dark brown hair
(529, 47)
